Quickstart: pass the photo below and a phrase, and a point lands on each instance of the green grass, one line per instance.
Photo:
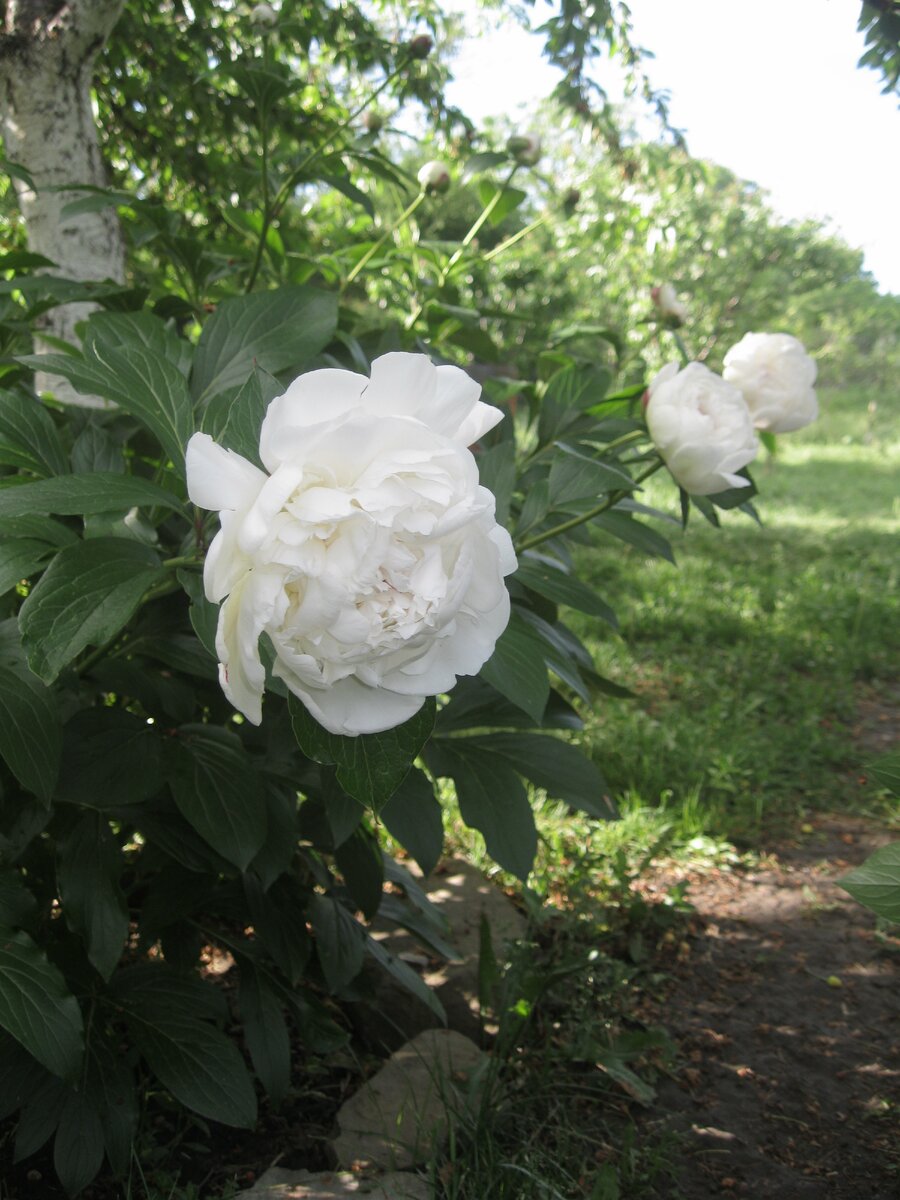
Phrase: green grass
(748, 658)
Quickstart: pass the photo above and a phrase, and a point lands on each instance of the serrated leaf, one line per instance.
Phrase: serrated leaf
(413, 816)
(77, 495)
(218, 792)
(93, 905)
(30, 731)
(28, 438)
(273, 330)
(37, 1008)
(86, 595)
(373, 765)
(876, 884)
(516, 668)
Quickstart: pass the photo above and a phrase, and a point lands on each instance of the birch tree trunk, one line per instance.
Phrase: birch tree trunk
(47, 52)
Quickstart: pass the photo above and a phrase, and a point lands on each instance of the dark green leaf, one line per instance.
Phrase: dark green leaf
(645, 539)
(340, 941)
(482, 162)
(510, 199)
(16, 902)
(40, 1116)
(266, 1033)
(111, 758)
(30, 731)
(406, 976)
(886, 772)
(273, 330)
(86, 595)
(218, 792)
(876, 884)
(204, 614)
(372, 766)
(553, 583)
(516, 668)
(358, 859)
(28, 437)
(574, 476)
(37, 1008)
(79, 1144)
(279, 917)
(93, 905)
(21, 559)
(413, 816)
(38, 529)
(75, 495)
(156, 986)
(492, 800)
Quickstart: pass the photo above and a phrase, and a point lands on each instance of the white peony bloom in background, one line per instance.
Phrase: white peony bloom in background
(368, 553)
(263, 16)
(701, 427)
(666, 300)
(434, 176)
(776, 376)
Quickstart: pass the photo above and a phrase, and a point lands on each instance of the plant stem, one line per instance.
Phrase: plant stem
(682, 349)
(511, 241)
(376, 246)
(186, 560)
(267, 210)
(473, 232)
(610, 502)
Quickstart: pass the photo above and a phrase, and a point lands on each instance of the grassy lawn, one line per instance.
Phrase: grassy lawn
(748, 658)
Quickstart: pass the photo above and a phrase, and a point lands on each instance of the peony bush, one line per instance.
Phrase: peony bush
(296, 581)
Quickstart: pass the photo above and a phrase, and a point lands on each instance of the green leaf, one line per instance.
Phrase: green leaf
(75, 495)
(876, 884)
(561, 769)
(372, 766)
(16, 902)
(406, 976)
(642, 537)
(574, 476)
(492, 800)
(273, 330)
(79, 1144)
(203, 613)
(86, 595)
(37, 1008)
(111, 759)
(245, 415)
(359, 860)
(279, 917)
(218, 792)
(28, 437)
(886, 772)
(483, 161)
(157, 985)
(516, 668)
(555, 585)
(93, 905)
(569, 391)
(340, 941)
(735, 497)
(40, 1116)
(38, 529)
(413, 816)
(21, 559)
(266, 1033)
(509, 201)
(200, 1066)
(30, 731)
(95, 449)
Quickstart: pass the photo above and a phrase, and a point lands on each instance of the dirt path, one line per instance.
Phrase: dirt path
(787, 1015)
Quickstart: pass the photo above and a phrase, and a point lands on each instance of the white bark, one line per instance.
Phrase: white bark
(47, 52)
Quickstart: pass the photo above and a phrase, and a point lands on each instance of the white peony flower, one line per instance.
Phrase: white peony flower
(701, 427)
(666, 300)
(776, 376)
(263, 16)
(434, 176)
(368, 553)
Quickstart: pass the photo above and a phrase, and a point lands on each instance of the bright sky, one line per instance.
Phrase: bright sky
(768, 88)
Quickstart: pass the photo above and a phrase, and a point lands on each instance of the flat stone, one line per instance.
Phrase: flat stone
(464, 896)
(402, 1114)
(279, 1184)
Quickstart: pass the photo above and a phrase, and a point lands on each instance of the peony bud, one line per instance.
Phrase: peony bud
(434, 176)
(263, 16)
(373, 122)
(525, 148)
(421, 46)
(701, 427)
(571, 200)
(668, 304)
(776, 377)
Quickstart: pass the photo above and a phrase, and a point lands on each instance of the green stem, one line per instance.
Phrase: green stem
(268, 214)
(682, 349)
(376, 246)
(187, 560)
(476, 227)
(610, 502)
(284, 192)
(516, 237)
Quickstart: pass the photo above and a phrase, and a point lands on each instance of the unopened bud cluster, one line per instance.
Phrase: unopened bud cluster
(434, 176)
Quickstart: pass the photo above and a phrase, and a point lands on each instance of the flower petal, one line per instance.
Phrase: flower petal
(220, 479)
(312, 399)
